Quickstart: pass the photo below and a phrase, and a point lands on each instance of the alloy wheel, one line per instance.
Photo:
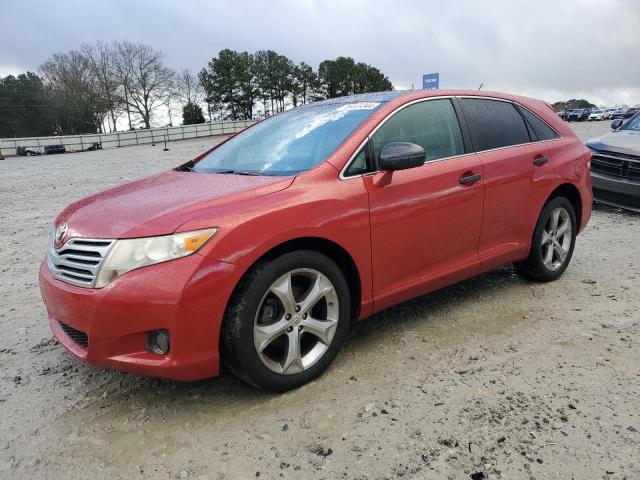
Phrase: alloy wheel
(556, 239)
(296, 321)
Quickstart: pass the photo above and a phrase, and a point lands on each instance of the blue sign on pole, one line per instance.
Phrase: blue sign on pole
(431, 81)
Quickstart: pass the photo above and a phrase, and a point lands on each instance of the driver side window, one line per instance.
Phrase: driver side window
(432, 124)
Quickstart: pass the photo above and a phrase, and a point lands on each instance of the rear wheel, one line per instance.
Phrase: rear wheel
(287, 321)
(553, 242)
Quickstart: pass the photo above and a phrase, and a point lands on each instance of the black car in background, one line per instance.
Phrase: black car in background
(615, 165)
(51, 149)
(628, 113)
(578, 114)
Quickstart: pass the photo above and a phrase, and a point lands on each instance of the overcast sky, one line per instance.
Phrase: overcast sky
(553, 50)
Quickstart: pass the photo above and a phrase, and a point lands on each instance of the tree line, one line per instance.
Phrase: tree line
(236, 82)
(572, 104)
(102, 85)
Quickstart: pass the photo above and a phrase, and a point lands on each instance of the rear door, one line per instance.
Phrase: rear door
(517, 165)
(425, 222)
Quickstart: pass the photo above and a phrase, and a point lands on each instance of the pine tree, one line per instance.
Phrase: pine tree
(192, 114)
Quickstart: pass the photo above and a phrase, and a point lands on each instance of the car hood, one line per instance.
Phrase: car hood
(159, 204)
(622, 141)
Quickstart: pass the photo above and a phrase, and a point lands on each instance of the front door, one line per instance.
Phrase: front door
(425, 221)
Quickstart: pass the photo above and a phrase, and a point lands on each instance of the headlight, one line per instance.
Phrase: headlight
(129, 254)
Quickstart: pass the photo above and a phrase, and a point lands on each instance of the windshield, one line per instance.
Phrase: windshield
(633, 124)
(290, 142)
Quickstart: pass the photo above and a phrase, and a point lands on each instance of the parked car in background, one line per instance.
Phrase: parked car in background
(562, 114)
(625, 113)
(578, 114)
(46, 150)
(597, 114)
(28, 151)
(615, 165)
(617, 113)
(53, 149)
(260, 252)
(608, 113)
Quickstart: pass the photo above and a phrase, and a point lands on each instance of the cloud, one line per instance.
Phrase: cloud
(548, 49)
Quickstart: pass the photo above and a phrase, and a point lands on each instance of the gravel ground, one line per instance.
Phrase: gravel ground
(492, 378)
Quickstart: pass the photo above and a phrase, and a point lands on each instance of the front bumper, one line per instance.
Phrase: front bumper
(616, 191)
(188, 297)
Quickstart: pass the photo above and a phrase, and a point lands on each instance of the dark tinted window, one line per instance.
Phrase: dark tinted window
(540, 127)
(431, 124)
(494, 123)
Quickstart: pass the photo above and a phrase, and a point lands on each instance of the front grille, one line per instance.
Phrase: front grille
(77, 336)
(618, 199)
(78, 261)
(616, 164)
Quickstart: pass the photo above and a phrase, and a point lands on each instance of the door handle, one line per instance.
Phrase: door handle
(470, 179)
(540, 160)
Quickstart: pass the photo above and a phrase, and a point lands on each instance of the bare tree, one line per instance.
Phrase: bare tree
(169, 96)
(101, 60)
(188, 87)
(144, 77)
(80, 105)
(122, 64)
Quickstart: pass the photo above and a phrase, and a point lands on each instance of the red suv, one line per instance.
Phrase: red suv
(259, 252)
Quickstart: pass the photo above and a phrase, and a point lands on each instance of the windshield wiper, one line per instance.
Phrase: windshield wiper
(238, 172)
(185, 168)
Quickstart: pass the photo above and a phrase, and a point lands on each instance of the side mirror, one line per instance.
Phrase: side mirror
(401, 155)
(616, 124)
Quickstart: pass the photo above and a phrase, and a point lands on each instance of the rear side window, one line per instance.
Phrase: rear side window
(539, 126)
(432, 124)
(494, 123)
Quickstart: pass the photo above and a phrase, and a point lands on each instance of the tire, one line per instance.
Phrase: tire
(271, 314)
(547, 259)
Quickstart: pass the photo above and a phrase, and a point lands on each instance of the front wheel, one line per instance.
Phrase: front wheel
(552, 244)
(286, 321)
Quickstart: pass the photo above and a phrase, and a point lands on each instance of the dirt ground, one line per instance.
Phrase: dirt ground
(491, 378)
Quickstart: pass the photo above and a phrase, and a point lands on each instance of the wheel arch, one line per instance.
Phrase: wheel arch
(331, 249)
(571, 193)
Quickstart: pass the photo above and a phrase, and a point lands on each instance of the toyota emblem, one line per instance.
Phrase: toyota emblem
(61, 232)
